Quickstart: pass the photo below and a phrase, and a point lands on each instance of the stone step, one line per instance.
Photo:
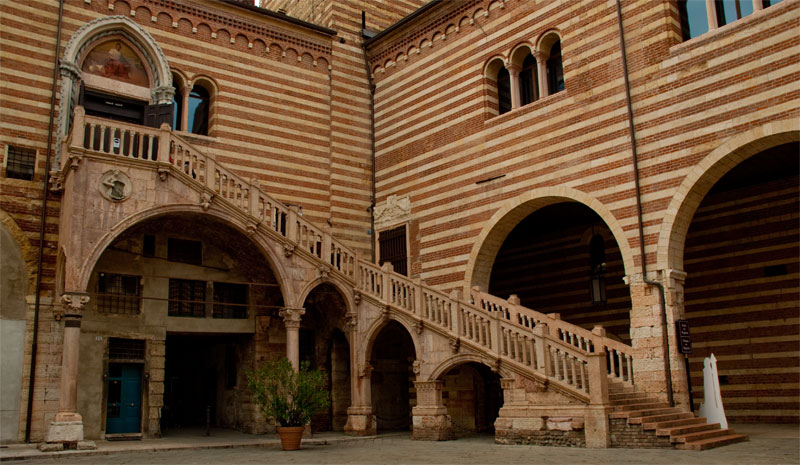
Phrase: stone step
(713, 442)
(628, 399)
(701, 435)
(640, 406)
(676, 431)
(676, 415)
(674, 423)
(649, 412)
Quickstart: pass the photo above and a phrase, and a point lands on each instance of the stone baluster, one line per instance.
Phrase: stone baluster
(540, 335)
(291, 320)
(67, 426)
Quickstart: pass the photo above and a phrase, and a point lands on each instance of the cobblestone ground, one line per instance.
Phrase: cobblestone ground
(772, 448)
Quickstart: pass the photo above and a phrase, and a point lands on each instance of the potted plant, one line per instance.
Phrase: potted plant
(288, 396)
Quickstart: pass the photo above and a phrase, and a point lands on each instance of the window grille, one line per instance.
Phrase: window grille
(119, 294)
(230, 300)
(393, 249)
(125, 349)
(187, 298)
(20, 163)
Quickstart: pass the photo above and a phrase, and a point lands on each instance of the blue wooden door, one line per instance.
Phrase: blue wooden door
(124, 407)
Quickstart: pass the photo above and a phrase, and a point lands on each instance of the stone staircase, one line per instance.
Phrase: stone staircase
(566, 357)
(683, 429)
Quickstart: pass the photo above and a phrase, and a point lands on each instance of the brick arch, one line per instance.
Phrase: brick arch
(702, 178)
(86, 267)
(460, 359)
(513, 211)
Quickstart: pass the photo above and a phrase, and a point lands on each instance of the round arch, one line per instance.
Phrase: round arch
(108, 238)
(459, 359)
(514, 210)
(375, 329)
(340, 287)
(546, 41)
(519, 52)
(702, 178)
(493, 65)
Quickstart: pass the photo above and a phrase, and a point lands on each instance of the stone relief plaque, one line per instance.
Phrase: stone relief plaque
(115, 185)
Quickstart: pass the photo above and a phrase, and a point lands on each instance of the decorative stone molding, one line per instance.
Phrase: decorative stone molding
(291, 317)
(69, 70)
(393, 210)
(324, 271)
(455, 345)
(351, 321)
(73, 303)
(384, 313)
(252, 228)
(416, 367)
(356, 297)
(365, 370)
(419, 326)
(205, 199)
(163, 173)
(114, 185)
(56, 181)
(288, 249)
(163, 94)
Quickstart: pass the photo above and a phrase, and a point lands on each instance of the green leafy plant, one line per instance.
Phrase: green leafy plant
(288, 396)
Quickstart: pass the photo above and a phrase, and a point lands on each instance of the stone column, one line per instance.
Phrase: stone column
(429, 418)
(649, 367)
(513, 74)
(67, 427)
(541, 68)
(711, 13)
(360, 419)
(758, 5)
(291, 319)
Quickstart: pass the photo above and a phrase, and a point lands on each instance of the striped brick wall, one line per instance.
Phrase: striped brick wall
(743, 291)
(438, 141)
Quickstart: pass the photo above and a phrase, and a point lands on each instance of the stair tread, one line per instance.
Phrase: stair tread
(687, 429)
(714, 442)
(647, 412)
(656, 418)
(675, 423)
(642, 406)
(702, 435)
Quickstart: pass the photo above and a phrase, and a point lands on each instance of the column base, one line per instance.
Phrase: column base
(360, 422)
(596, 427)
(431, 424)
(68, 435)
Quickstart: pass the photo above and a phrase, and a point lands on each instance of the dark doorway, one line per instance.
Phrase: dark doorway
(124, 405)
(473, 397)
(393, 390)
(339, 379)
(201, 379)
(393, 249)
(113, 107)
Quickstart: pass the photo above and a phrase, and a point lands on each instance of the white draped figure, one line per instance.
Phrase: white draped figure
(712, 408)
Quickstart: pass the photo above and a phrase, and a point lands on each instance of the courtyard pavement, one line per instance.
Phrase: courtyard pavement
(769, 444)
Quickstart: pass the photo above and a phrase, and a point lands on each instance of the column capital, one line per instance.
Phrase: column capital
(540, 56)
(69, 69)
(291, 317)
(73, 303)
(365, 371)
(513, 69)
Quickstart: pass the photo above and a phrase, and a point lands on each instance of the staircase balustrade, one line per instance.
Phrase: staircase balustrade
(163, 147)
(530, 340)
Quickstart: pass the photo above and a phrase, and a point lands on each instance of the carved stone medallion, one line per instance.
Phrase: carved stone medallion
(115, 185)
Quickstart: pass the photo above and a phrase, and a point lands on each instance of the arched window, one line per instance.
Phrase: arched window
(597, 283)
(555, 70)
(528, 81)
(503, 91)
(199, 103)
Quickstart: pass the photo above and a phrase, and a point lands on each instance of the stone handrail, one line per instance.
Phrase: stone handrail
(620, 355)
(164, 147)
(494, 331)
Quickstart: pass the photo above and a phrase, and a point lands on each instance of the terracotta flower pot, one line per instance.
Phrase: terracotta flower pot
(291, 436)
